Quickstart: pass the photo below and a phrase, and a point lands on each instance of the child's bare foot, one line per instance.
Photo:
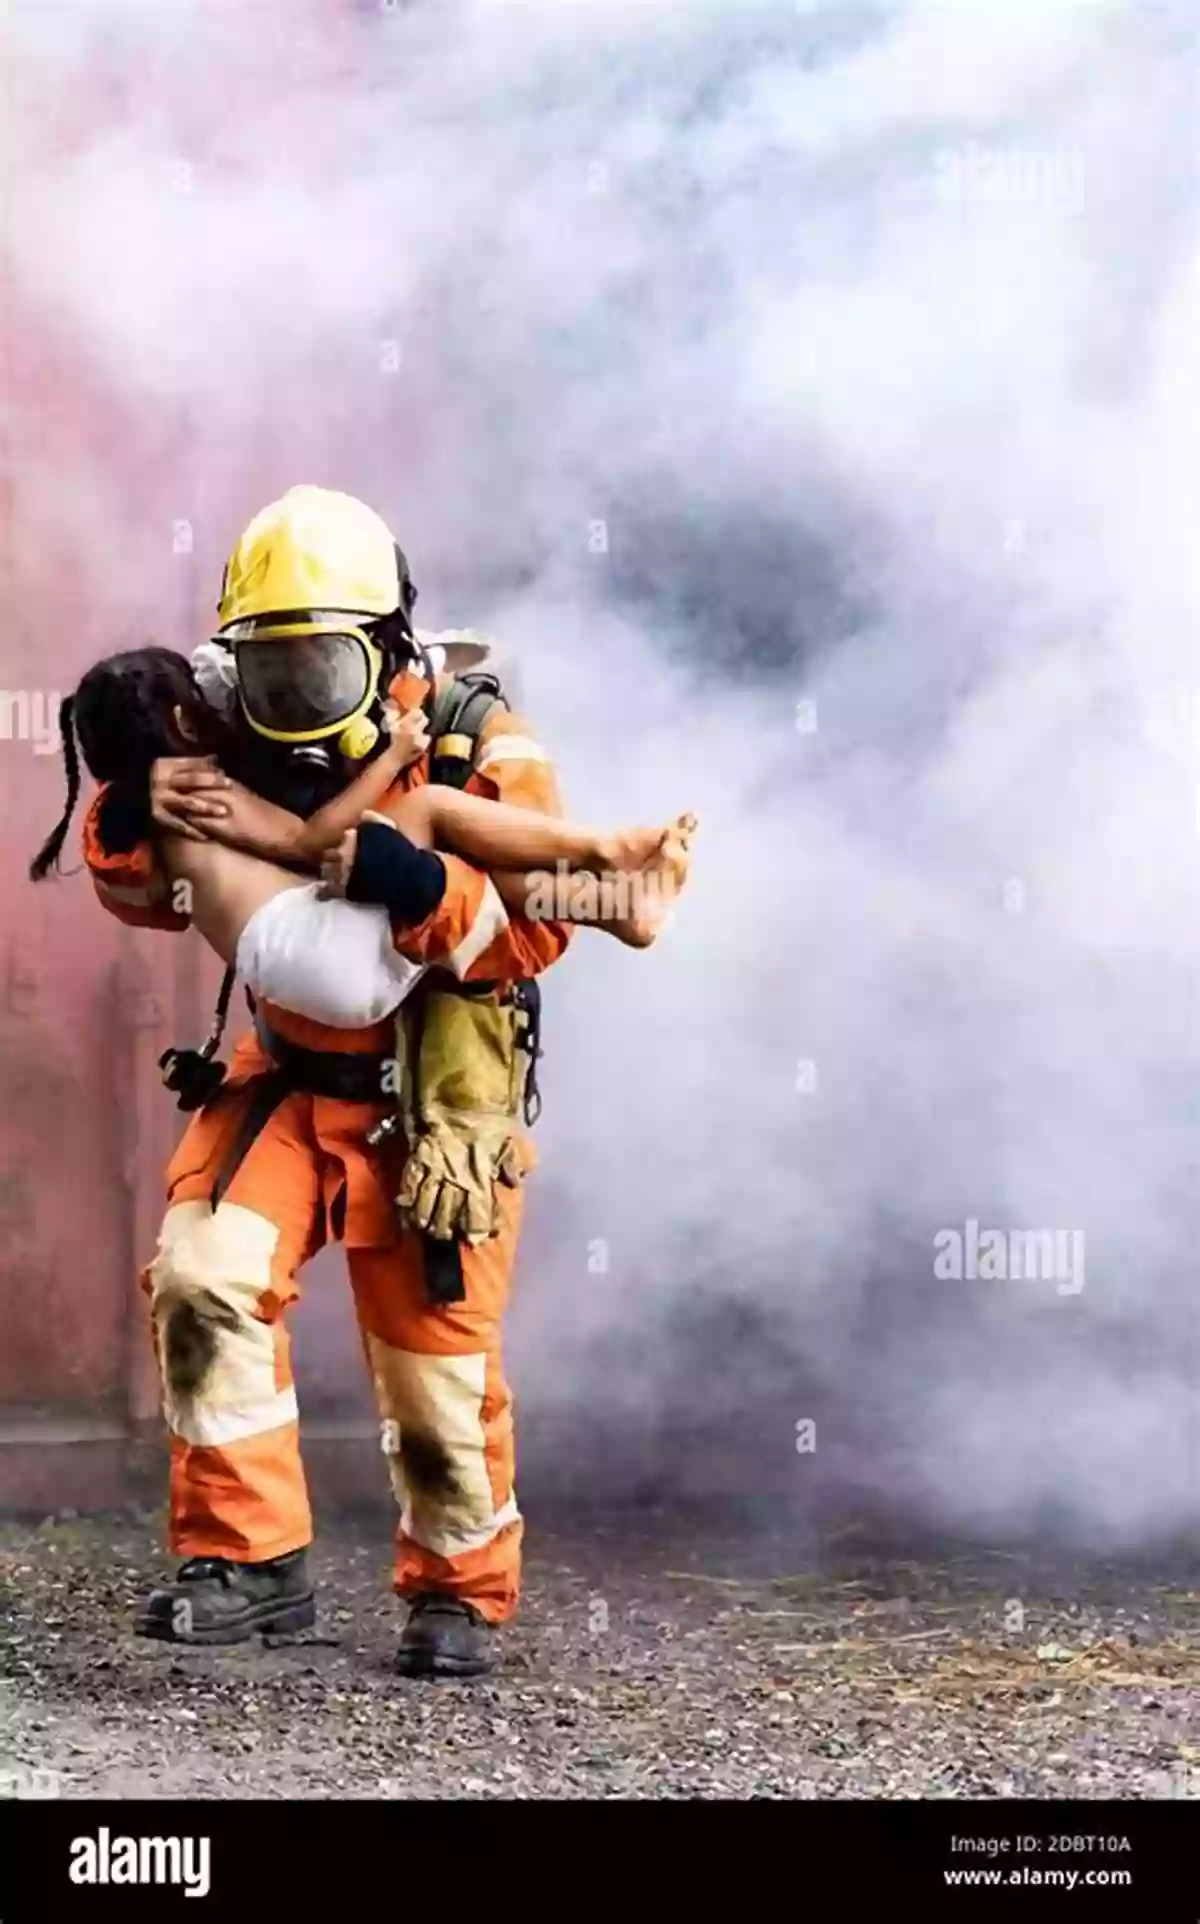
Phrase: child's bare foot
(633, 848)
(625, 848)
(655, 884)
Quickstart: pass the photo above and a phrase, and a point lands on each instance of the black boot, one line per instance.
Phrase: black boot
(215, 1601)
(446, 1638)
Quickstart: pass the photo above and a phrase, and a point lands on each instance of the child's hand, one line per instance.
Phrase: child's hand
(409, 733)
(337, 864)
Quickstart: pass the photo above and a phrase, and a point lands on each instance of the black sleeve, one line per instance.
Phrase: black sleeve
(407, 881)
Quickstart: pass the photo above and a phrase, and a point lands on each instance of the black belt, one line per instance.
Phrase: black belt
(296, 1071)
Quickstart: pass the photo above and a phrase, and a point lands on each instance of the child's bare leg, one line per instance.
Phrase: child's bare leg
(498, 836)
(412, 814)
(629, 903)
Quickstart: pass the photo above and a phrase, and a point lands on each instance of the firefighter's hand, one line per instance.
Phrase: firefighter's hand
(185, 792)
(409, 733)
(337, 864)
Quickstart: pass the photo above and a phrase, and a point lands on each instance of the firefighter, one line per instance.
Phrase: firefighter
(403, 1142)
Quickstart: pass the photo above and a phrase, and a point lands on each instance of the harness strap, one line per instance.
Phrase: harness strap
(266, 1093)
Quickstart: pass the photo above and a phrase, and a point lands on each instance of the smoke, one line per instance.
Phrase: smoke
(809, 398)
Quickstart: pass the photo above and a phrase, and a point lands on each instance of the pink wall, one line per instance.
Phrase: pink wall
(87, 1007)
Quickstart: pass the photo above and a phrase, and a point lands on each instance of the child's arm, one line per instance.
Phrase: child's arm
(325, 829)
(263, 828)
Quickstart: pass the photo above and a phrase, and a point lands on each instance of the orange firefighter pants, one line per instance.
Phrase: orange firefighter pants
(218, 1289)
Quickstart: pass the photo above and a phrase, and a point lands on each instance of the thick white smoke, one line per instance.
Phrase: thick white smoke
(809, 396)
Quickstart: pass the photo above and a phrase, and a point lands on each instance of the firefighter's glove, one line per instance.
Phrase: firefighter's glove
(451, 1181)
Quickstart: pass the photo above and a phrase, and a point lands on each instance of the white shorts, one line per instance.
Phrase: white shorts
(325, 958)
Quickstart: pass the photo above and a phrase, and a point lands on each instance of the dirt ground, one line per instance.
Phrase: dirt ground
(646, 1662)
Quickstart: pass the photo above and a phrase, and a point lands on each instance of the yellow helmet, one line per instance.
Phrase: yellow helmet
(310, 571)
(313, 548)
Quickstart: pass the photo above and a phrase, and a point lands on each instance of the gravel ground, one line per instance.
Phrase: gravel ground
(646, 1662)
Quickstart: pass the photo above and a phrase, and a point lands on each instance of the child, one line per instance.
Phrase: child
(295, 943)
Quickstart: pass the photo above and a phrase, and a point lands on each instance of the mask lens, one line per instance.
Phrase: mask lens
(297, 684)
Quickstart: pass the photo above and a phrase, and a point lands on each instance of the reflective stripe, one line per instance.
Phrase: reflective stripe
(132, 898)
(212, 1427)
(437, 1402)
(509, 748)
(455, 1539)
(212, 1270)
(491, 917)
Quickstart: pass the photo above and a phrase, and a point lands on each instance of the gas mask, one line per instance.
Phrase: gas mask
(311, 692)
